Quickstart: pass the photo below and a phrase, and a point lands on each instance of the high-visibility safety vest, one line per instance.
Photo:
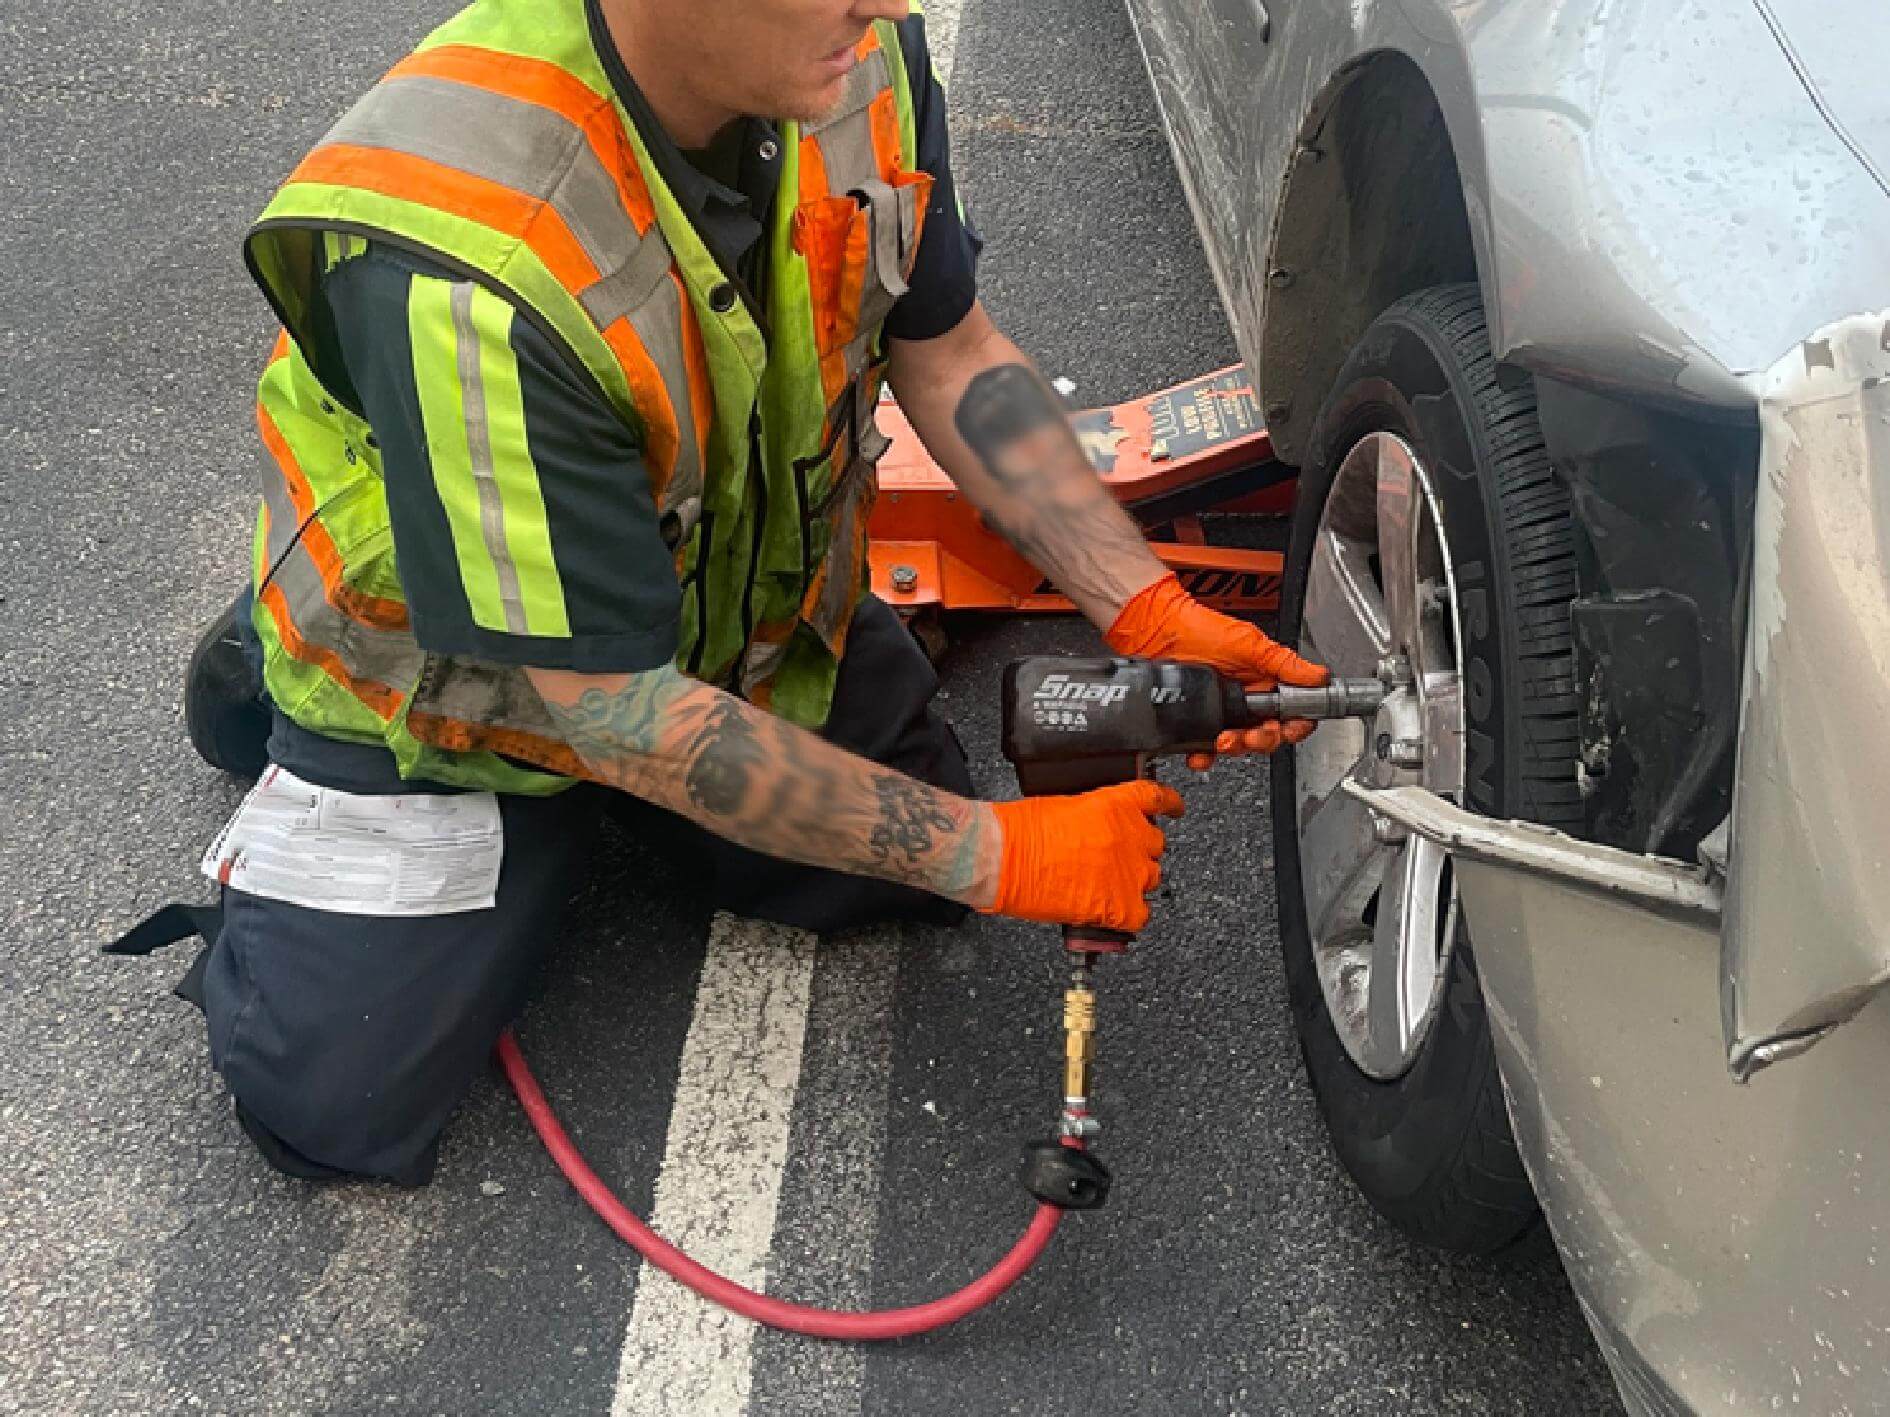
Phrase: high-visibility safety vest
(500, 151)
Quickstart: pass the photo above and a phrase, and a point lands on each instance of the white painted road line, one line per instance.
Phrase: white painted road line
(721, 1177)
(827, 1226)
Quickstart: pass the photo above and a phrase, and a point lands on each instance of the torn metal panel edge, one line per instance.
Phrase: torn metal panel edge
(1810, 838)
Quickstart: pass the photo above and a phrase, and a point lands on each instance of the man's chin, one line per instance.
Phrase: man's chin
(815, 104)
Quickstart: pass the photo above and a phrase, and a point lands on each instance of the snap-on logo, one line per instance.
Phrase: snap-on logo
(1060, 688)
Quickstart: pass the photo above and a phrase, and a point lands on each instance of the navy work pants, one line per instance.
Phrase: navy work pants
(348, 1040)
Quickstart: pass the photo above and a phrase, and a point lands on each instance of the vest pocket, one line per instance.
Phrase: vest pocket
(842, 420)
(838, 582)
(860, 249)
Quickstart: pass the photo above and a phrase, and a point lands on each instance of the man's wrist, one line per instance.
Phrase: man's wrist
(1140, 625)
(979, 869)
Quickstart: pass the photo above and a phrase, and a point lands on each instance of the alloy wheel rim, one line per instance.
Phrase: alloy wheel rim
(1381, 906)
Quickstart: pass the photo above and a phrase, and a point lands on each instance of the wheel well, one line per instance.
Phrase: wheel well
(1372, 210)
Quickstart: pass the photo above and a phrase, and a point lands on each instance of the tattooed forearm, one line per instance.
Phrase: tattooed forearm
(1035, 483)
(768, 785)
(724, 755)
(623, 725)
(1004, 406)
(910, 820)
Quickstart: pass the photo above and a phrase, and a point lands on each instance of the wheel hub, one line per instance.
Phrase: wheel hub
(1381, 907)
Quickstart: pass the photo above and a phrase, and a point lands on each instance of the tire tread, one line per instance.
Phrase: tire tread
(1473, 1193)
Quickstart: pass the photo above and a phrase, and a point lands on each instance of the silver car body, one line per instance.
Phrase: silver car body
(1684, 205)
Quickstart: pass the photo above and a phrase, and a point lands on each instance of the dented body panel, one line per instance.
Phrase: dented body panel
(1730, 1243)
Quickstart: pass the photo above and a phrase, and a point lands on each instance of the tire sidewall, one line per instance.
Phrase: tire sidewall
(1396, 1137)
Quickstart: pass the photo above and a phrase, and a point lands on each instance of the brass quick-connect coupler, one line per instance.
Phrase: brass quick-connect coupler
(1079, 1055)
(1079, 1040)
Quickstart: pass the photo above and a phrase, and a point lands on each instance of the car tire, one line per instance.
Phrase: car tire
(1432, 1148)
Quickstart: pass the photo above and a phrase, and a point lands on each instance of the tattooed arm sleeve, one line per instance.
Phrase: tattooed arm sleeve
(768, 785)
(999, 431)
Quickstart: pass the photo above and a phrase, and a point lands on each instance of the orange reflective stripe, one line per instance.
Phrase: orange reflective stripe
(379, 698)
(654, 406)
(431, 184)
(536, 81)
(281, 349)
(375, 610)
(457, 736)
(813, 170)
(921, 204)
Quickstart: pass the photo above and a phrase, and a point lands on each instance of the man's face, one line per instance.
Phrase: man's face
(778, 58)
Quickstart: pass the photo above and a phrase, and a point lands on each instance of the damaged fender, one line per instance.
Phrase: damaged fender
(1806, 937)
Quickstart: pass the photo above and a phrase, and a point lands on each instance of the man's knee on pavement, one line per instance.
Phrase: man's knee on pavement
(347, 1042)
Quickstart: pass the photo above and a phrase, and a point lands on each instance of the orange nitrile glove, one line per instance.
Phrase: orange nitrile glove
(1088, 859)
(1162, 621)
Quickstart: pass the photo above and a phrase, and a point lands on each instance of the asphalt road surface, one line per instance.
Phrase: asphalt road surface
(837, 1121)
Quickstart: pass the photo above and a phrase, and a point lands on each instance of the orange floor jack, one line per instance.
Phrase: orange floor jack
(1169, 457)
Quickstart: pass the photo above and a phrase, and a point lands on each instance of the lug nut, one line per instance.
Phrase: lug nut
(1395, 669)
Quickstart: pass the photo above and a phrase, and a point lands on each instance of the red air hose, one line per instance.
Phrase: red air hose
(777, 1313)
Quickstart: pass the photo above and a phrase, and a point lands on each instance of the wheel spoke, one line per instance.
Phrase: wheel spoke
(1342, 863)
(1400, 507)
(1443, 733)
(1404, 953)
(1344, 625)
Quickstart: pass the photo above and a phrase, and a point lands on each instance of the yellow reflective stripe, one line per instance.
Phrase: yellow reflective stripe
(339, 246)
(472, 405)
(523, 525)
(430, 327)
(902, 91)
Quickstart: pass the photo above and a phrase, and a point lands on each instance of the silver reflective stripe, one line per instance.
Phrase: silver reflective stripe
(627, 287)
(472, 391)
(846, 135)
(504, 140)
(864, 81)
(847, 147)
(386, 656)
(888, 237)
(761, 663)
(908, 222)
(860, 348)
(658, 323)
(678, 518)
(285, 525)
(487, 695)
(840, 587)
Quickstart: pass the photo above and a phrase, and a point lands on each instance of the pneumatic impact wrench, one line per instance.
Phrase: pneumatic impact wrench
(1072, 725)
